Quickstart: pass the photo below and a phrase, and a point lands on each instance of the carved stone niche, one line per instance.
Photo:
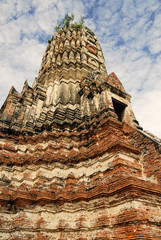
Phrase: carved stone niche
(91, 49)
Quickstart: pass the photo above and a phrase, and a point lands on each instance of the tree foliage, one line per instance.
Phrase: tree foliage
(65, 22)
(80, 24)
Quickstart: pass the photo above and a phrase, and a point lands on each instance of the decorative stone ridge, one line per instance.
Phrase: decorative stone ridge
(75, 164)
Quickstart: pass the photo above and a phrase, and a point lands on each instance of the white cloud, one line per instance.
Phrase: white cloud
(114, 5)
(103, 13)
(155, 46)
(146, 108)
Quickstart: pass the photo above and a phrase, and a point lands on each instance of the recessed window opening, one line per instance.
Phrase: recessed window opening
(119, 109)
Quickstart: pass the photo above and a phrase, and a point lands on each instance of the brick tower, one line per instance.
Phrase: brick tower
(75, 164)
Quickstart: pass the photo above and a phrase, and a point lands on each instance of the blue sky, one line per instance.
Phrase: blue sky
(129, 32)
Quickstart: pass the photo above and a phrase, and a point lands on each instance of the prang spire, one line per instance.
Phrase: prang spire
(72, 88)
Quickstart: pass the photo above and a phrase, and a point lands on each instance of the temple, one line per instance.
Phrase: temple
(75, 163)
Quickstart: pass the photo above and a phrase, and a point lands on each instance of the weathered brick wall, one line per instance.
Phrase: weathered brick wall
(100, 188)
(151, 153)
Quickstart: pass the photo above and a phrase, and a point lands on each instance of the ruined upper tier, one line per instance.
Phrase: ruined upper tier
(72, 89)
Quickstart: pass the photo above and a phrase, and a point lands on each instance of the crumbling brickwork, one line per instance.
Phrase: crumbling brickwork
(75, 164)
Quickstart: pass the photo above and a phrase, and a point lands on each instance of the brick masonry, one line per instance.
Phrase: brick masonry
(75, 164)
